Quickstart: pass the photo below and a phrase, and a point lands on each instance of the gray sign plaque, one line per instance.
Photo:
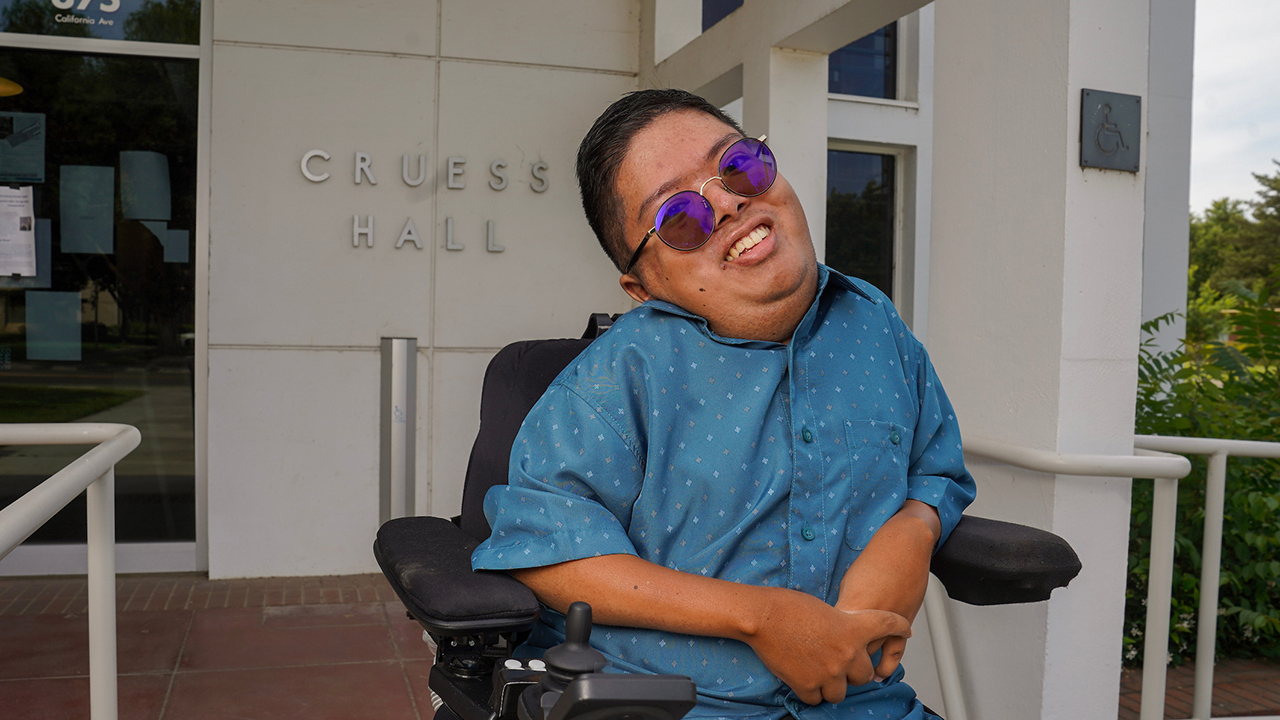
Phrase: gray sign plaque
(1110, 130)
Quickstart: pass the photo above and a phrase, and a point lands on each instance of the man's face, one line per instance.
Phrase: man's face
(763, 292)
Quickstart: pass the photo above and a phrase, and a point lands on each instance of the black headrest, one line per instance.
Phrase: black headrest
(516, 378)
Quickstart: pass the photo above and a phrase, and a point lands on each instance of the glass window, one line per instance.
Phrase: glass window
(102, 327)
(165, 21)
(860, 216)
(866, 67)
(713, 11)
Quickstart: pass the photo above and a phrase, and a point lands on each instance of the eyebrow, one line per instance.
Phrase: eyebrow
(668, 186)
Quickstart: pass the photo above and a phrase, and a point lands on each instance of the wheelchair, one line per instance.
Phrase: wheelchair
(476, 619)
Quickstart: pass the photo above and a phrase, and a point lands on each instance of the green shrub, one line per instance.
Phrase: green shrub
(1216, 390)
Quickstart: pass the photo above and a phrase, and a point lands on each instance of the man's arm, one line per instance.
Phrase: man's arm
(892, 573)
(817, 650)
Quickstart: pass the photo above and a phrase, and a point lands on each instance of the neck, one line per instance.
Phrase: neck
(775, 322)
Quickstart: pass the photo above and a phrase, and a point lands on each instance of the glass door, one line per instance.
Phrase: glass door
(97, 274)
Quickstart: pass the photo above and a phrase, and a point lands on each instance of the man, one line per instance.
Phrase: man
(747, 475)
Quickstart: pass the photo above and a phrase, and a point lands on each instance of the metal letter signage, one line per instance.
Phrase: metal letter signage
(1110, 130)
(357, 231)
(364, 165)
(454, 170)
(455, 181)
(422, 170)
(306, 172)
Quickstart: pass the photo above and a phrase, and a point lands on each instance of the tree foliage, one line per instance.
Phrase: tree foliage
(1223, 390)
(1236, 241)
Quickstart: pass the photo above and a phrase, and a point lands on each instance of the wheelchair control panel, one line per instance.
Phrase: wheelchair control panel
(476, 679)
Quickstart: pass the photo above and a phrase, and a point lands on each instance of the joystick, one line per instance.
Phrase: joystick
(574, 687)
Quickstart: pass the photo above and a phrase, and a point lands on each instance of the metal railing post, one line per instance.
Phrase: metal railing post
(103, 681)
(1144, 463)
(944, 651)
(93, 474)
(1210, 575)
(1218, 450)
(1155, 646)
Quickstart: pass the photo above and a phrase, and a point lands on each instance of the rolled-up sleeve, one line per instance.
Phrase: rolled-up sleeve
(937, 475)
(573, 482)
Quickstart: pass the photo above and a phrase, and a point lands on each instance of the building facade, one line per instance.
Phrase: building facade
(236, 207)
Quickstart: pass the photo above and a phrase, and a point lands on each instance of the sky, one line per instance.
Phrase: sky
(1235, 122)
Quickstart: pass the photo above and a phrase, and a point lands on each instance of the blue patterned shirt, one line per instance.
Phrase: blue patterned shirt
(757, 462)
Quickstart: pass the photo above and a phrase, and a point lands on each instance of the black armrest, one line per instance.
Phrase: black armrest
(990, 562)
(427, 560)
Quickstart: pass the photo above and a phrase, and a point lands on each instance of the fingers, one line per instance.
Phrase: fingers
(890, 631)
(860, 671)
(883, 624)
(890, 657)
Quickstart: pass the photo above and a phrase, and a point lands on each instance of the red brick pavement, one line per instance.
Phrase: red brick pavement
(324, 648)
(188, 591)
(1241, 688)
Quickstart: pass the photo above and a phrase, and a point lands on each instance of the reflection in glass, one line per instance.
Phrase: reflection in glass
(860, 216)
(164, 21)
(713, 11)
(104, 331)
(867, 66)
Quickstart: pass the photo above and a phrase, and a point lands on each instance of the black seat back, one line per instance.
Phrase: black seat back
(517, 376)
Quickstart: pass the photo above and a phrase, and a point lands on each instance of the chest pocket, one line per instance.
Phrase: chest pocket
(879, 454)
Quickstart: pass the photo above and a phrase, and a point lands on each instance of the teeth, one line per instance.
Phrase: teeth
(751, 240)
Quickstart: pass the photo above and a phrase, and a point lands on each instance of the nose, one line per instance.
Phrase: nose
(723, 201)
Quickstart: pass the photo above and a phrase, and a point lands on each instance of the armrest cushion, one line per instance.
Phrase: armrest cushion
(989, 562)
(427, 560)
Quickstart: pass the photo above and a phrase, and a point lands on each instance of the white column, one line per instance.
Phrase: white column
(784, 95)
(1034, 306)
(1165, 242)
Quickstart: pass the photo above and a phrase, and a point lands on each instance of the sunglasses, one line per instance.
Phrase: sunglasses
(685, 220)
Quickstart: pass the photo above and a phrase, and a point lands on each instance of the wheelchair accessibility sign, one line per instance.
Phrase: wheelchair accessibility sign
(1110, 130)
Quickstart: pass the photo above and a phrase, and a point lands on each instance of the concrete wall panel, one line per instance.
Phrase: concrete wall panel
(455, 415)
(395, 26)
(293, 458)
(568, 33)
(552, 273)
(282, 267)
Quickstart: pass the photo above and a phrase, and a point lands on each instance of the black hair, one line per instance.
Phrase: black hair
(605, 146)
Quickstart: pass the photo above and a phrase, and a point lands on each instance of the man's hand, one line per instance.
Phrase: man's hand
(892, 573)
(817, 650)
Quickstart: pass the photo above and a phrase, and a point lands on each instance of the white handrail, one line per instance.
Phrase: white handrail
(1141, 464)
(1160, 575)
(94, 474)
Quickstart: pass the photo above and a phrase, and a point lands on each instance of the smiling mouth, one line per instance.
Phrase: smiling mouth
(744, 245)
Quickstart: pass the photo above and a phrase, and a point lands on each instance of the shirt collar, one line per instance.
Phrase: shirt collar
(829, 282)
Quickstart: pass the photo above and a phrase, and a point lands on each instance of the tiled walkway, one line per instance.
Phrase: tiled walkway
(325, 648)
(190, 649)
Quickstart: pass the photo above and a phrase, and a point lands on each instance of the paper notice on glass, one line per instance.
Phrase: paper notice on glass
(144, 185)
(22, 147)
(87, 206)
(43, 279)
(158, 228)
(53, 325)
(174, 242)
(17, 232)
(177, 246)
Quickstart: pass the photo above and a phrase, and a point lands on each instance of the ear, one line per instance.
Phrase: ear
(633, 286)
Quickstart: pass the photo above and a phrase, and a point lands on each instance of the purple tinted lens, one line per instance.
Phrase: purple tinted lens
(685, 220)
(748, 167)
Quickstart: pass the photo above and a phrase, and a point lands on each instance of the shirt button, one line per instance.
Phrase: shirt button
(807, 534)
(894, 437)
(807, 435)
